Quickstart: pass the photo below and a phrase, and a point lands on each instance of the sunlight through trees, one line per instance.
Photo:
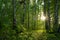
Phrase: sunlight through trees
(29, 19)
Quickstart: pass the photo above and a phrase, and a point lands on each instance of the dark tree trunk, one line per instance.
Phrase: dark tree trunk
(0, 19)
(47, 17)
(14, 14)
(24, 11)
(1, 15)
(55, 23)
(28, 14)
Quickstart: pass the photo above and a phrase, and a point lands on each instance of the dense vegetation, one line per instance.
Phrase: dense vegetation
(29, 19)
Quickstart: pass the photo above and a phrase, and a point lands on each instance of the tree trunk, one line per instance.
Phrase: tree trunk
(14, 14)
(55, 23)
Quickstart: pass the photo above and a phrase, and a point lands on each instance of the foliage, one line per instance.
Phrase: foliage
(21, 20)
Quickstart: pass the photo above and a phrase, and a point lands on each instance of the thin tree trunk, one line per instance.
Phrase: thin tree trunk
(0, 17)
(28, 14)
(14, 14)
(48, 15)
(24, 11)
(46, 26)
(35, 15)
(55, 25)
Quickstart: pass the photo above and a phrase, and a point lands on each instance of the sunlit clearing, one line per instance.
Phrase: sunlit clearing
(59, 21)
(36, 1)
(42, 3)
(38, 16)
(43, 17)
(31, 2)
(51, 19)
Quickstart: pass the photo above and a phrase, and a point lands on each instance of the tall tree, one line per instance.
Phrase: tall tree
(0, 14)
(14, 13)
(46, 21)
(48, 15)
(55, 25)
